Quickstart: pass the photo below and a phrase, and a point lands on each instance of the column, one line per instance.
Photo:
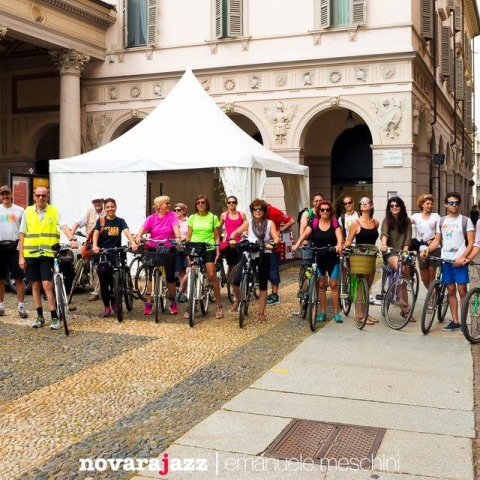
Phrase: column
(70, 64)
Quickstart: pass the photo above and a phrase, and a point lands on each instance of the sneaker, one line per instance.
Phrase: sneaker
(273, 300)
(114, 307)
(107, 312)
(2, 312)
(269, 297)
(173, 308)
(321, 317)
(22, 312)
(39, 322)
(371, 300)
(182, 298)
(452, 327)
(56, 324)
(148, 309)
(338, 318)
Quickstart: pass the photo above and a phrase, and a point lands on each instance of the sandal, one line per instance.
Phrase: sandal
(234, 306)
(371, 319)
(262, 318)
(219, 313)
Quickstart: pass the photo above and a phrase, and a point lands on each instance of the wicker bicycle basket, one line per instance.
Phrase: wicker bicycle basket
(363, 259)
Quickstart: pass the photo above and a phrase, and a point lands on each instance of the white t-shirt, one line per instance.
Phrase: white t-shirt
(10, 219)
(349, 219)
(453, 239)
(426, 228)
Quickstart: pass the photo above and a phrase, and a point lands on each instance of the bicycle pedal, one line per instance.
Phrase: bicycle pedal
(344, 295)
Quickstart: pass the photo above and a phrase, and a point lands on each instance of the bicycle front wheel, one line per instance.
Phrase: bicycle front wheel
(79, 268)
(243, 300)
(442, 310)
(192, 297)
(128, 290)
(430, 306)
(345, 292)
(470, 316)
(313, 302)
(117, 295)
(399, 304)
(134, 267)
(61, 299)
(415, 281)
(141, 280)
(157, 288)
(205, 295)
(361, 299)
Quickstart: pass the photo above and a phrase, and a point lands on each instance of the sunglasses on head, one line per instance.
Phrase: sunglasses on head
(454, 203)
(200, 202)
(348, 203)
(325, 210)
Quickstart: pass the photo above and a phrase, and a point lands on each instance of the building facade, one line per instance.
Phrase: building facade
(375, 96)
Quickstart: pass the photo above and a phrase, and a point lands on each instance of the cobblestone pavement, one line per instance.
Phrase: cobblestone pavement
(114, 390)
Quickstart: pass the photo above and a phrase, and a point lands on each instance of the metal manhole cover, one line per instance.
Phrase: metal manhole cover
(328, 443)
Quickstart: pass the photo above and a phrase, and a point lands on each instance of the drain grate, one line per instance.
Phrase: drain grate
(327, 443)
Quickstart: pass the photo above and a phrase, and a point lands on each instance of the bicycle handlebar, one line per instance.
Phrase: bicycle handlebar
(55, 249)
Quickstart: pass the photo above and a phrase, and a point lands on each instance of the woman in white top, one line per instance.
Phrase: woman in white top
(426, 223)
(181, 210)
(262, 231)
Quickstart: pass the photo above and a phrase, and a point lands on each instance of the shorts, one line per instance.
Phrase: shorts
(232, 256)
(452, 274)
(333, 270)
(39, 269)
(425, 264)
(9, 261)
(209, 256)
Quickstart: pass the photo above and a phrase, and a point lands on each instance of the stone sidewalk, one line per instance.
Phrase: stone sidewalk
(419, 388)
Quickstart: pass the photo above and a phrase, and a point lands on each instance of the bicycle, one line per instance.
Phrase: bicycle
(397, 291)
(58, 282)
(344, 282)
(470, 312)
(197, 287)
(223, 281)
(303, 276)
(153, 265)
(122, 280)
(436, 300)
(248, 279)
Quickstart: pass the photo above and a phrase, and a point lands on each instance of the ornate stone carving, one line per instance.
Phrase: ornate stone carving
(245, 44)
(429, 120)
(69, 62)
(149, 53)
(388, 71)
(334, 101)
(228, 108)
(135, 113)
(280, 116)
(158, 90)
(335, 76)
(416, 110)
(206, 84)
(390, 115)
(213, 48)
(254, 82)
(3, 32)
(135, 91)
(121, 57)
(37, 13)
(307, 78)
(352, 35)
(92, 94)
(281, 80)
(361, 74)
(229, 84)
(113, 92)
(96, 126)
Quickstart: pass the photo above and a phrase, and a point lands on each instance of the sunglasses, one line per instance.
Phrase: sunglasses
(40, 196)
(257, 209)
(200, 202)
(177, 209)
(232, 203)
(325, 210)
(394, 205)
(365, 202)
(455, 203)
(348, 203)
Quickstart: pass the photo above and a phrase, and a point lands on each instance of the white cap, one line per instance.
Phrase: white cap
(97, 196)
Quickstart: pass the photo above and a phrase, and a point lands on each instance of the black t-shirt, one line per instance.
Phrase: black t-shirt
(111, 233)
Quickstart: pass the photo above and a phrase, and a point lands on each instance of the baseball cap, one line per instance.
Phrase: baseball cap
(5, 188)
(97, 196)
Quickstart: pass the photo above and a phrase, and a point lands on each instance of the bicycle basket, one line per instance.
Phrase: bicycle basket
(197, 249)
(363, 259)
(247, 246)
(159, 258)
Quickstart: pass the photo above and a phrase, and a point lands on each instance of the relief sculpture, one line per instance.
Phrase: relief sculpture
(281, 116)
(96, 126)
(390, 115)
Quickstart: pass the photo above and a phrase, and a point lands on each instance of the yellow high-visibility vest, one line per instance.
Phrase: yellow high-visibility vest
(40, 234)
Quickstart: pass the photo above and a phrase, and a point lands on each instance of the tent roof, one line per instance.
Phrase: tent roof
(186, 131)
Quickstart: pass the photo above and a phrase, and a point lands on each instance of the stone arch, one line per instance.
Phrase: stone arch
(122, 123)
(298, 138)
(257, 121)
(34, 133)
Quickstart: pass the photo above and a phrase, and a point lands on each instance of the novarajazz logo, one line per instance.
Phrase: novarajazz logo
(162, 465)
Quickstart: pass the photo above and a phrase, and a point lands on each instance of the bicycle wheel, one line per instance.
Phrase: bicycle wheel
(313, 302)
(163, 291)
(134, 267)
(399, 304)
(141, 280)
(192, 297)
(345, 293)
(128, 290)
(430, 306)
(79, 268)
(470, 316)
(61, 299)
(242, 302)
(302, 293)
(415, 281)
(117, 295)
(156, 293)
(205, 295)
(226, 282)
(443, 301)
(361, 298)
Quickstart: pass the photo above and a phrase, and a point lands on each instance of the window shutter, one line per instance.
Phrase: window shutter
(450, 4)
(324, 13)
(125, 23)
(218, 18)
(358, 9)
(235, 20)
(445, 42)
(426, 29)
(468, 109)
(459, 79)
(152, 22)
(458, 19)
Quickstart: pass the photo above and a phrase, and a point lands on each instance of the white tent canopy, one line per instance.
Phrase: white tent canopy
(186, 132)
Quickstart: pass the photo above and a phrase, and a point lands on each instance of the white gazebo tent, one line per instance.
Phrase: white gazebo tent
(180, 145)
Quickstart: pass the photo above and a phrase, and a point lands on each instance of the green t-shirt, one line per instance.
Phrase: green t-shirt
(202, 227)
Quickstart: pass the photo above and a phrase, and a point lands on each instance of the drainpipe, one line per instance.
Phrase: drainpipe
(434, 121)
(454, 86)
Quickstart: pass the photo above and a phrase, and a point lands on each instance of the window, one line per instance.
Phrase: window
(228, 18)
(340, 13)
(139, 23)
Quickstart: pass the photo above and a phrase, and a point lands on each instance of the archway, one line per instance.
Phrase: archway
(247, 125)
(125, 127)
(48, 147)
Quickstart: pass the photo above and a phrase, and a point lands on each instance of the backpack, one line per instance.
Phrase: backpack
(86, 251)
(302, 211)
(464, 226)
(335, 223)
